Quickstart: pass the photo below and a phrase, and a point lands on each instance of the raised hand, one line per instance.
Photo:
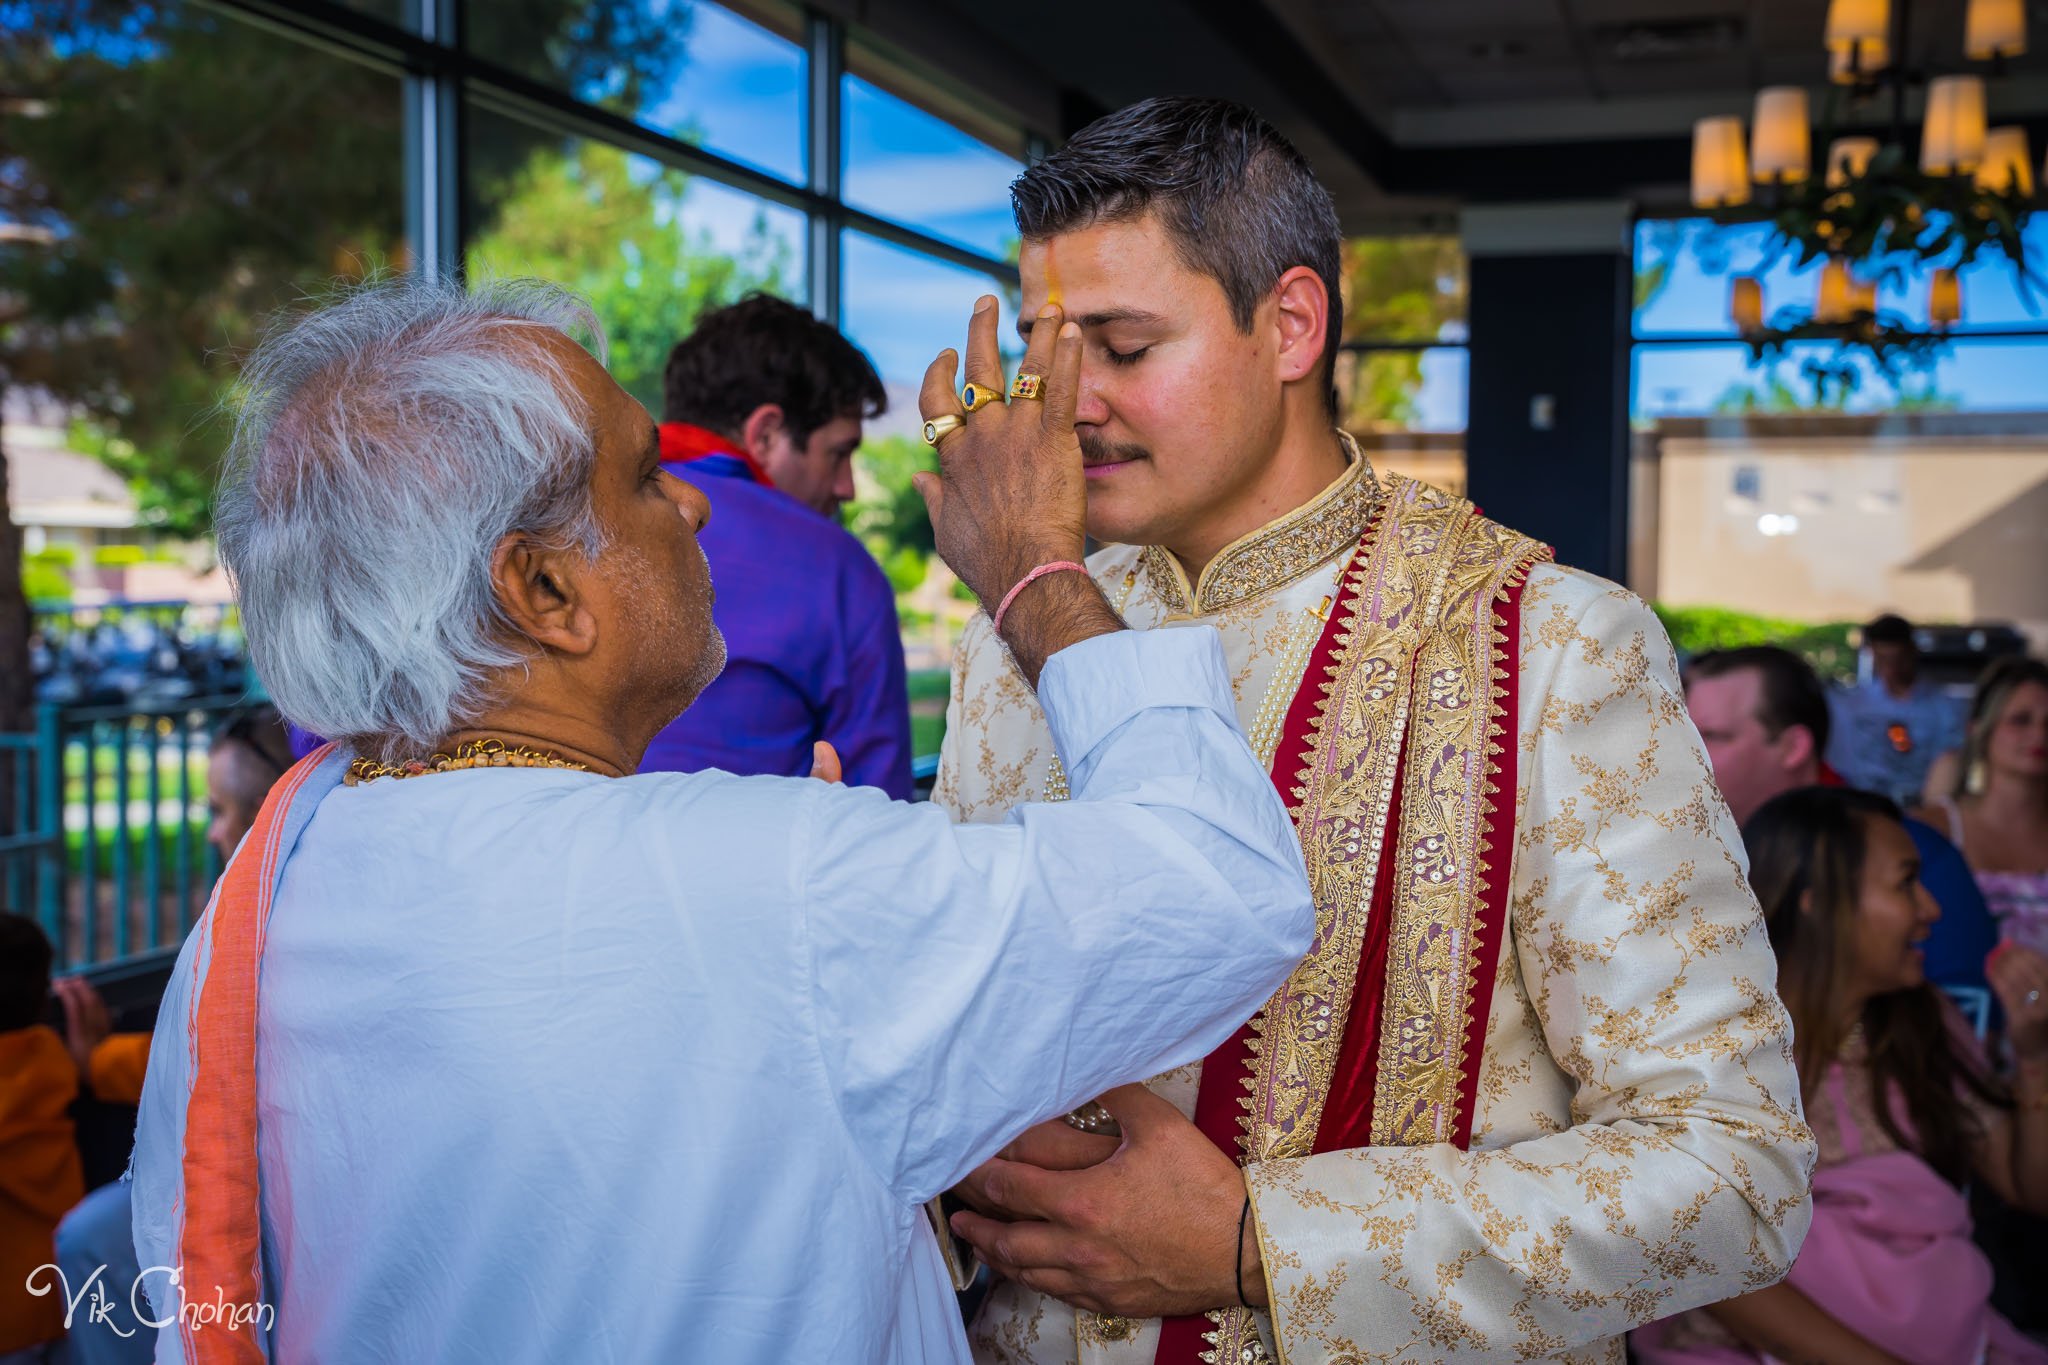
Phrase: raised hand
(1010, 494)
(2019, 977)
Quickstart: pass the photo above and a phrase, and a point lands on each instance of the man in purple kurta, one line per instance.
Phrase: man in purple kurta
(763, 409)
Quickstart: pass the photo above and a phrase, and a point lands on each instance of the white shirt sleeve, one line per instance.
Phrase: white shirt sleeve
(970, 980)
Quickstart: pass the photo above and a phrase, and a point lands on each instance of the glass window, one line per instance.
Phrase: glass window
(903, 309)
(1982, 375)
(1405, 390)
(903, 163)
(1404, 289)
(651, 247)
(688, 68)
(1684, 266)
(173, 177)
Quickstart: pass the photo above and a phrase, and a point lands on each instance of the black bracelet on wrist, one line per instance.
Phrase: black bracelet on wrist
(1242, 1219)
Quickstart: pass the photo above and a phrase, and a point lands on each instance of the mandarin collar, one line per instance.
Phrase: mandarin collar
(1281, 552)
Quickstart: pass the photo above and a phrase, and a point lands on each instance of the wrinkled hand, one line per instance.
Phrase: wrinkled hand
(2015, 973)
(1149, 1230)
(1010, 494)
(86, 1020)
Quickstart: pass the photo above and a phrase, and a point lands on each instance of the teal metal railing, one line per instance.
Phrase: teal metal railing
(109, 848)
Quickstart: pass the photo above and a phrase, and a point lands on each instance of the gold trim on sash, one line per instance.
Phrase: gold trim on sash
(1441, 871)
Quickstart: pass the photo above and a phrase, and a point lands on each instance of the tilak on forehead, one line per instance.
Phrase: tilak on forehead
(1052, 275)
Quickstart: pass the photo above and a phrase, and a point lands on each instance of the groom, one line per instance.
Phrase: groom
(1532, 1085)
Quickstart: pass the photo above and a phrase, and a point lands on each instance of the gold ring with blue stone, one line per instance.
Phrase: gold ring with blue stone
(975, 397)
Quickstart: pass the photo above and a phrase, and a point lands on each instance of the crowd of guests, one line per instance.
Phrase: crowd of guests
(1897, 838)
(1887, 919)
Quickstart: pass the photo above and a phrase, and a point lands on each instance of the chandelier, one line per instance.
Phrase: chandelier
(1875, 213)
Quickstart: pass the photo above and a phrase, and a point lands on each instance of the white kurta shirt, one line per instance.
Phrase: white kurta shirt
(559, 1068)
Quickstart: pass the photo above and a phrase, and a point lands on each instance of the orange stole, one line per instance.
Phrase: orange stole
(1403, 726)
(220, 1235)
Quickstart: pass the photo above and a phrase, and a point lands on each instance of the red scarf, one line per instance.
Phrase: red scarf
(682, 443)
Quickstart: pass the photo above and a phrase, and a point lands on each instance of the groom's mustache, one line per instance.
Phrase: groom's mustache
(1096, 450)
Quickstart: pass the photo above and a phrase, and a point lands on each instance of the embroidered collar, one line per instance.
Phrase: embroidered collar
(1276, 554)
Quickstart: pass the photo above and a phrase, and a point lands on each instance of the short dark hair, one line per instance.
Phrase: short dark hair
(1791, 692)
(25, 960)
(1888, 629)
(767, 350)
(1239, 203)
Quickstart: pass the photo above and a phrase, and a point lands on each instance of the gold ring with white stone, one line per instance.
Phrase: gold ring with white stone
(939, 428)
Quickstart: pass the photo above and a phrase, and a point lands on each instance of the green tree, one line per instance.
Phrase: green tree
(171, 175)
(1772, 393)
(889, 516)
(614, 228)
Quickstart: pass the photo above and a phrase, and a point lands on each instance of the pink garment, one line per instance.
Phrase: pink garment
(2018, 901)
(1889, 1256)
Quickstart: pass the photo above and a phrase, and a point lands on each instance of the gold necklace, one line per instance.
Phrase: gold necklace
(474, 753)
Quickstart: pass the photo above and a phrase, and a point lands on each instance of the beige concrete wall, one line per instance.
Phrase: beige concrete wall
(1938, 519)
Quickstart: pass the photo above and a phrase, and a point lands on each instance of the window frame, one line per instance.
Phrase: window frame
(441, 76)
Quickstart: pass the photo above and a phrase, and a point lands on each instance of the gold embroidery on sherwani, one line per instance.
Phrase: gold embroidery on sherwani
(1344, 791)
(1420, 612)
(1441, 873)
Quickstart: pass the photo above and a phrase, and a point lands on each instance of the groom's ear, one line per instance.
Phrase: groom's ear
(1302, 321)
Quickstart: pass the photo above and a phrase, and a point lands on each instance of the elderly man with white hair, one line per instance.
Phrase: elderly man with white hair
(489, 1050)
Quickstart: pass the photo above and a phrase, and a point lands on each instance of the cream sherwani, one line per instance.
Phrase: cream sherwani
(1637, 1145)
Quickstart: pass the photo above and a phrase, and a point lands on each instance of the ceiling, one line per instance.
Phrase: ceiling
(1409, 108)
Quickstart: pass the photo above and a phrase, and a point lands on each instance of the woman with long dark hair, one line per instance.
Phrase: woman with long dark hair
(1905, 1108)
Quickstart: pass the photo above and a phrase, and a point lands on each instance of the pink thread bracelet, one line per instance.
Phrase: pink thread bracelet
(1028, 579)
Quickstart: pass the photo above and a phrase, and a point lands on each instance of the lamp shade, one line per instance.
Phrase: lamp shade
(1994, 28)
(1746, 303)
(1852, 62)
(1952, 141)
(1857, 21)
(1858, 39)
(1833, 303)
(1781, 145)
(1849, 157)
(1720, 165)
(1944, 298)
(2008, 164)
